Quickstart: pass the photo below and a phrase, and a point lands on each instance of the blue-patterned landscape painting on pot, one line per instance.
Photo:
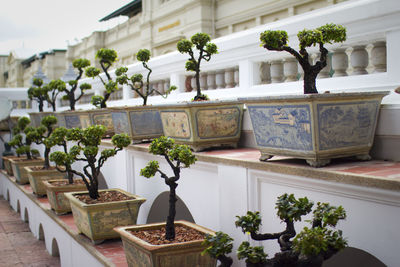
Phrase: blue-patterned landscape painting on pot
(146, 122)
(346, 124)
(286, 126)
(72, 121)
(120, 121)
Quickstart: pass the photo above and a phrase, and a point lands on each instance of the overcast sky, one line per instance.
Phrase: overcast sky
(34, 26)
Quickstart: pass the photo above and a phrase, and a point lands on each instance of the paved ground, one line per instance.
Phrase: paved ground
(18, 246)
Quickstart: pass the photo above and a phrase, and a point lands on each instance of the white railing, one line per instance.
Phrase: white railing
(368, 60)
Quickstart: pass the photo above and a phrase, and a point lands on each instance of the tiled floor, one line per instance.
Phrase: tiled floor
(18, 246)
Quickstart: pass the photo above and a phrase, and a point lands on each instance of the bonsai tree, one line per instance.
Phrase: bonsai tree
(136, 83)
(23, 146)
(329, 33)
(88, 141)
(177, 157)
(218, 247)
(205, 49)
(106, 58)
(308, 248)
(60, 136)
(80, 64)
(38, 93)
(52, 90)
(41, 134)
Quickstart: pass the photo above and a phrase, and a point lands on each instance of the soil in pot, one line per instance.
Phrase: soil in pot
(104, 197)
(66, 183)
(157, 236)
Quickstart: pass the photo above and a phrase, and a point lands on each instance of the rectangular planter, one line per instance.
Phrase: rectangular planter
(204, 124)
(55, 194)
(140, 122)
(102, 117)
(76, 119)
(18, 167)
(7, 164)
(139, 253)
(316, 127)
(97, 221)
(36, 178)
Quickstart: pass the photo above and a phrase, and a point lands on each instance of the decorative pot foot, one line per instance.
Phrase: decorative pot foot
(318, 163)
(198, 148)
(265, 157)
(97, 242)
(364, 157)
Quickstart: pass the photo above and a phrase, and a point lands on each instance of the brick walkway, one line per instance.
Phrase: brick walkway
(18, 246)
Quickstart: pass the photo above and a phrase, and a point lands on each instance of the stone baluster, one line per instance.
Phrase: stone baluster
(359, 60)
(220, 79)
(290, 69)
(229, 79)
(211, 81)
(265, 72)
(300, 72)
(166, 86)
(193, 83)
(325, 72)
(378, 56)
(340, 62)
(236, 76)
(276, 71)
(203, 81)
(160, 87)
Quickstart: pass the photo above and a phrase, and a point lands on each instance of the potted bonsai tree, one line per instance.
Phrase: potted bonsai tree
(142, 249)
(53, 89)
(39, 92)
(106, 57)
(343, 124)
(56, 188)
(41, 136)
(311, 247)
(202, 124)
(143, 122)
(22, 141)
(96, 212)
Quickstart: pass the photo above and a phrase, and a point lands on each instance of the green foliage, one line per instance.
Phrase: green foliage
(217, 245)
(92, 72)
(313, 241)
(328, 215)
(90, 151)
(97, 100)
(92, 135)
(37, 82)
(150, 170)
(57, 85)
(49, 121)
(332, 33)
(161, 145)
(251, 254)
(61, 158)
(290, 208)
(23, 122)
(121, 70)
(111, 87)
(106, 56)
(275, 39)
(80, 63)
(250, 222)
(85, 86)
(200, 40)
(184, 46)
(143, 55)
(121, 140)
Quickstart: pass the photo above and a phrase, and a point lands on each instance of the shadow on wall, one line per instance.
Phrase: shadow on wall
(352, 257)
(102, 182)
(159, 210)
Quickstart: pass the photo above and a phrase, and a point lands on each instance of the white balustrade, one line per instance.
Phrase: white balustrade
(290, 69)
(211, 81)
(378, 56)
(276, 71)
(359, 60)
(340, 62)
(220, 79)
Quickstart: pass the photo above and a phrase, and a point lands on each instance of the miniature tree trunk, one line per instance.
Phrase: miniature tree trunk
(170, 228)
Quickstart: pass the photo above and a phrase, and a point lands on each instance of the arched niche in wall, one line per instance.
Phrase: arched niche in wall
(8, 196)
(159, 209)
(54, 248)
(41, 233)
(350, 257)
(18, 207)
(26, 215)
(102, 181)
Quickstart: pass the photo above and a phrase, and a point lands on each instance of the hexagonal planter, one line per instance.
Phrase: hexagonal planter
(315, 127)
(36, 178)
(140, 253)
(18, 166)
(140, 122)
(203, 124)
(55, 194)
(97, 221)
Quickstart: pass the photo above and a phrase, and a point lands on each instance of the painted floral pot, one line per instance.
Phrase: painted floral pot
(18, 167)
(76, 119)
(139, 253)
(60, 119)
(36, 178)
(315, 127)
(140, 122)
(102, 117)
(203, 125)
(97, 221)
(7, 164)
(55, 194)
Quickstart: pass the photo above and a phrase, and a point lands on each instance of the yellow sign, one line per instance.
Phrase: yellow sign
(169, 26)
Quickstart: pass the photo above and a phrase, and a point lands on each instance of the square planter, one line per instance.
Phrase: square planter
(102, 117)
(18, 167)
(203, 124)
(140, 122)
(139, 253)
(55, 194)
(97, 221)
(315, 127)
(36, 178)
